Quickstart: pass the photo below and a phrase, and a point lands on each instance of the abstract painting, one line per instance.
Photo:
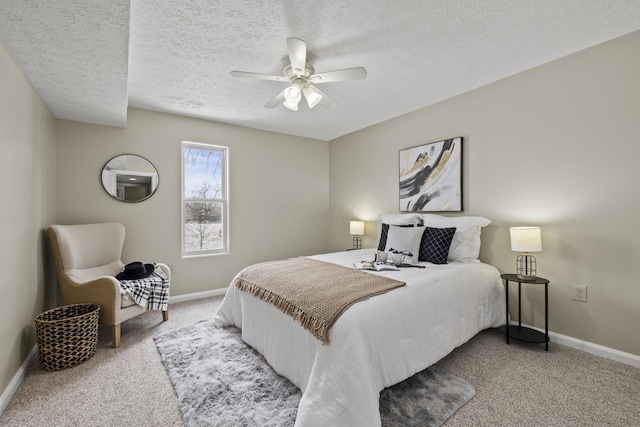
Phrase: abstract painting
(431, 177)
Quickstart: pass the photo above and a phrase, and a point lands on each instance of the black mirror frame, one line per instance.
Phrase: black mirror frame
(152, 191)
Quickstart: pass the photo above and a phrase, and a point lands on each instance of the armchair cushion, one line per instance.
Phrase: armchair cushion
(83, 275)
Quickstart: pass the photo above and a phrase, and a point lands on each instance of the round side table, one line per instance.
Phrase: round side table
(519, 332)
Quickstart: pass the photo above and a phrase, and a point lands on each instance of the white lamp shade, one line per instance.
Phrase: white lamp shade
(312, 95)
(293, 106)
(526, 239)
(292, 97)
(356, 228)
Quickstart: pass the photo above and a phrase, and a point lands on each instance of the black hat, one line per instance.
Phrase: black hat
(135, 270)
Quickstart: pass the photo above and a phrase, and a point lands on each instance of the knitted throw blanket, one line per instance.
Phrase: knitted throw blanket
(314, 293)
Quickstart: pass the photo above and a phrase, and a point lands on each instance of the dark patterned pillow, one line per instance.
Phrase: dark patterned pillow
(435, 243)
(382, 244)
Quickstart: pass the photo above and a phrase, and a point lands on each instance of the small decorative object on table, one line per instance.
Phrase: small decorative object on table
(67, 335)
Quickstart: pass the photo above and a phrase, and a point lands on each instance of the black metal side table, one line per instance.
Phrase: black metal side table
(519, 332)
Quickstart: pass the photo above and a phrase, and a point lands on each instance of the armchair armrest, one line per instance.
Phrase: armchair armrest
(103, 291)
(165, 269)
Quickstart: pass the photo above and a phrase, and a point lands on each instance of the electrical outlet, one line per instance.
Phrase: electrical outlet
(580, 293)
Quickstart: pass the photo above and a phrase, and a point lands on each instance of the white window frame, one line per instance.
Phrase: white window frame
(224, 199)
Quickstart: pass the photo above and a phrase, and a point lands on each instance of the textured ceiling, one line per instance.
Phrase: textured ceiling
(74, 54)
(88, 60)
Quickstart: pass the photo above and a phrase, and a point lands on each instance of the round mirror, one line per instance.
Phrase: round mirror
(129, 178)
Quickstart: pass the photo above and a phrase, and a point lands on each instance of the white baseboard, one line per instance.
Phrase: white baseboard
(197, 295)
(11, 389)
(18, 378)
(589, 347)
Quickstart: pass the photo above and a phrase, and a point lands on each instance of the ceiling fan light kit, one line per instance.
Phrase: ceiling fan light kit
(299, 74)
(292, 97)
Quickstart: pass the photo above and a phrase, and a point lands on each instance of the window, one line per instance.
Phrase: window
(205, 223)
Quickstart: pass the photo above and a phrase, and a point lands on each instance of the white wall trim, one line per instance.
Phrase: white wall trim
(589, 347)
(18, 378)
(197, 295)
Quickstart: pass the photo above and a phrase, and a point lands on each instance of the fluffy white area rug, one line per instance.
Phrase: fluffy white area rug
(221, 381)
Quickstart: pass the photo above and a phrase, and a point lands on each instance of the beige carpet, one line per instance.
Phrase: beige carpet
(516, 385)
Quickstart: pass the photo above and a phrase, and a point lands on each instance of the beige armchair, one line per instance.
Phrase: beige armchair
(87, 258)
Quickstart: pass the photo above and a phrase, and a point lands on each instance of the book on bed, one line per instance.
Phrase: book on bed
(366, 265)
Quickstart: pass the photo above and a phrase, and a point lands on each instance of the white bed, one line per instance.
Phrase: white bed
(377, 342)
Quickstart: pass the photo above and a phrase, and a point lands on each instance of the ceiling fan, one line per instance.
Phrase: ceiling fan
(302, 77)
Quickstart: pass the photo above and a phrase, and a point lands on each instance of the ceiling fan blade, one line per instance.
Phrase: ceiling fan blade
(327, 101)
(297, 54)
(276, 100)
(258, 76)
(356, 73)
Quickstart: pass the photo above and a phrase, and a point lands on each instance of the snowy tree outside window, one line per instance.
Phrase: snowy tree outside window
(204, 199)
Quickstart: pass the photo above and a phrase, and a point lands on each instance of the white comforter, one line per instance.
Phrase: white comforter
(377, 342)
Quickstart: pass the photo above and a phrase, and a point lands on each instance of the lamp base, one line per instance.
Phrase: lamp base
(526, 267)
(357, 242)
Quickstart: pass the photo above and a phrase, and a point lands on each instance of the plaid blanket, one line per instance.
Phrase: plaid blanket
(152, 290)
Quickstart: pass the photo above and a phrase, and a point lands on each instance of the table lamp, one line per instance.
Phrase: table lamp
(525, 240)
(356, 228)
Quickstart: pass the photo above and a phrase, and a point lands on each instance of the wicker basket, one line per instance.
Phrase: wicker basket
(67, 335)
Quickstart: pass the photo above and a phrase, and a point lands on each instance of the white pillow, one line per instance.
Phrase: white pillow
(401, 219)
(404, 239)
(465, 246)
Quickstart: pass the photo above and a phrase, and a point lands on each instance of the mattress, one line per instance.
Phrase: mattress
(377, 342)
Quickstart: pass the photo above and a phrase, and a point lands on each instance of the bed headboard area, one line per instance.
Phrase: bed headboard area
(436, 238)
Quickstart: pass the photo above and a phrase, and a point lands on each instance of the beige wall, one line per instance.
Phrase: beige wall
(27, 185)
(279, 192)
(556, 146)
